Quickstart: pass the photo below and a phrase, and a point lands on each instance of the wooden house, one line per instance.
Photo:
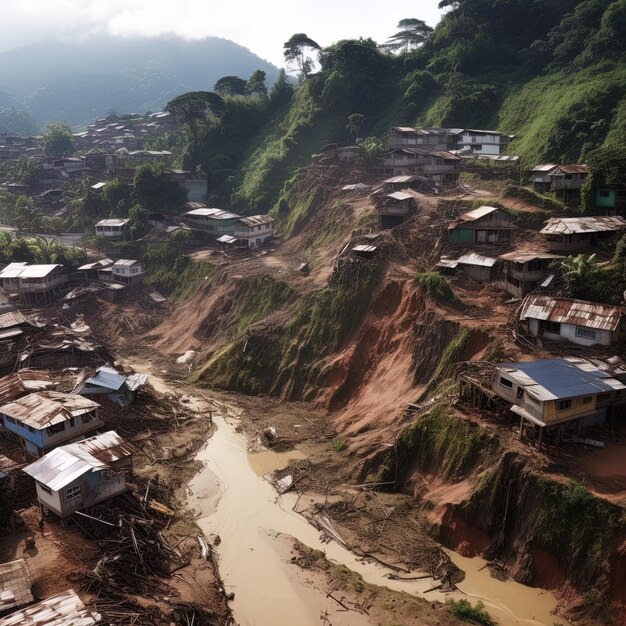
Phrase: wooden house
(611, 198)
(394, 208)
(577, 321)
(483, 225)
(254, 231)
(521, 271)
(440, 166)
(113, 228)
(565, 234)
(36, 284)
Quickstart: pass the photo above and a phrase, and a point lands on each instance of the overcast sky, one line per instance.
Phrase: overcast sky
(261, 25)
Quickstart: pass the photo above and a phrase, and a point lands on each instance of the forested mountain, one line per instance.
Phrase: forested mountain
(79, 81)
(552, 73)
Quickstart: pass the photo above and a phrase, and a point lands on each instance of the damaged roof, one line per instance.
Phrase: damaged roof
(571, 225)
(64, 609)
(476, 259)
(544, 168)
(524, 256)
(562, 170)
(556, 379)
(46, 408)
(21, 382)
(575, 312)
(256, 220)
(479, 213)
(15, 585)
(9, 320)
(399, 195)
(65, 464)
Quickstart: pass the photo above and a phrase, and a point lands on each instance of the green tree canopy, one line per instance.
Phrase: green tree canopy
(355, 124)
(231, 86)
(578, 273)
(58, 140)
(295, 51)
(192, 107)
(282, 90)
(256, 83)
(412, 33)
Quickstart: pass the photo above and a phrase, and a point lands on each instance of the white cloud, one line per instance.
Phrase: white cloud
(262, 26)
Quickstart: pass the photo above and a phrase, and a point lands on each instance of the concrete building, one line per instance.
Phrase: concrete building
(565, 234)
(549, 394)
(483, 225)
(254, 231)
(521, 271)
(216, 222)
(36, 284)
(480, 142)
(113, 228)
(577, 321)
(79, 475)
(128, 272)
(46, 419)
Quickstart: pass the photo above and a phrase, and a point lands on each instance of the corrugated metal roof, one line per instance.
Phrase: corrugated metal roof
(355, 187)
(476, 259)
(64, 609)
(451, 263)
(31, 271)
(218, 214)
(570, 225)
(478, 213)
(576, 312)
(102, 263)
(256, 220)
(113, 222)
(134, 381)
(524, 256)
(46, 408)
(401, 179)
(9, 320)
(21, 382)
(364, 248)
(98, 185)
(65, 464)
(544, 167)
(107, 377)
(556, 379)
(227, 239)
(399, 195)
(12, 270)
(15, 585)
(570, 169)
(125, 263)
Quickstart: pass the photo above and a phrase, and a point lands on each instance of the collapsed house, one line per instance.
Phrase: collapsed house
(64, 609)
(522, 271)
(46, 419)
(13, 328)
(476, 266)
(79, 475)
(108, 383)
(440, 166)
(16, 588)
(564, 234)
(394, 208)
(577, 321)
(486, 224)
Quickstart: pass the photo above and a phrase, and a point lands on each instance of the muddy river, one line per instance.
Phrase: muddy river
(232, 499)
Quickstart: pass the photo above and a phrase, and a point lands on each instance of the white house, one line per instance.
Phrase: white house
(577, 321)
(483, 141)
(214, 221)
(79, 475)
(37, 284)
(254, 231)
(127, 271)
(113, 228)
(46, 419)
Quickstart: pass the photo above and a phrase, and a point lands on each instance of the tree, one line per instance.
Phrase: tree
(282, 90)
(230, 86)
(27, 215)
(256, 83)
(412, 33)
(295, 49)
(578, 273)
(138, 223)
(355, 124)
(58, 140)
(193, 107)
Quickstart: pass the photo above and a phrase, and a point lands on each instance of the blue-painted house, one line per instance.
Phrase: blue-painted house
(47, 419)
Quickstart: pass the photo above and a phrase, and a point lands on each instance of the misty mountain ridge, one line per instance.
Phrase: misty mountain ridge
(79, 81)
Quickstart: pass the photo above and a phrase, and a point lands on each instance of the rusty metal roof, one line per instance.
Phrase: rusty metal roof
(21, 382)
(47, 408)
(9, 320)
(15, 585)
(476, 259)
(64, 609)
(65, 464)
(575, 312)
(570, 225)
(256, 220)
(570, 169)
(524, 256)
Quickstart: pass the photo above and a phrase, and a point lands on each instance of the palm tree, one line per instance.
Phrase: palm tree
(578, 273)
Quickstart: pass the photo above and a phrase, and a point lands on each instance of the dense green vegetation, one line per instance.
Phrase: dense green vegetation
(436, 287)
(38, 250)
(466, 612)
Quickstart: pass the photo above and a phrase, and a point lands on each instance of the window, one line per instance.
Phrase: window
(552, 327)
(604, 194)
(55, 428)
(586, 333)
(505, 382)
(71, 422)
(71, 493)
(563, 405)
(44, 487)
(588, 400)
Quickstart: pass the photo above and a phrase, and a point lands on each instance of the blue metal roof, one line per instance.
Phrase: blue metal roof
(554, 379)
(108, 378)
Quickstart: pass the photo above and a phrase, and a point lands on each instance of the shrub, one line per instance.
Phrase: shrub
(340, 444)
(463, 610)
(436, 287)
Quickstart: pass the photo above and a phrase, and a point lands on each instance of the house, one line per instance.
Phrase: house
(254, 231)
(566, 177)
(100, 161)
(522, 271)
(541, 176)
(334, 152)
(12, 329)
(554, 392)
(399, 183)
(217, 222)
(108, 382)
(483, 225)
(113, 228)
(564, 234)
(36, 284)
(130, 159)
(64, 609)
(476, 266)
(482, 141)
(16, 588)
(46, 419)
(611, 198)
(427, 138)
(126, 271)
(91, 269)
(394, 208)
(578, 321)
(79, 475)
(22, 382)
(440, 166)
